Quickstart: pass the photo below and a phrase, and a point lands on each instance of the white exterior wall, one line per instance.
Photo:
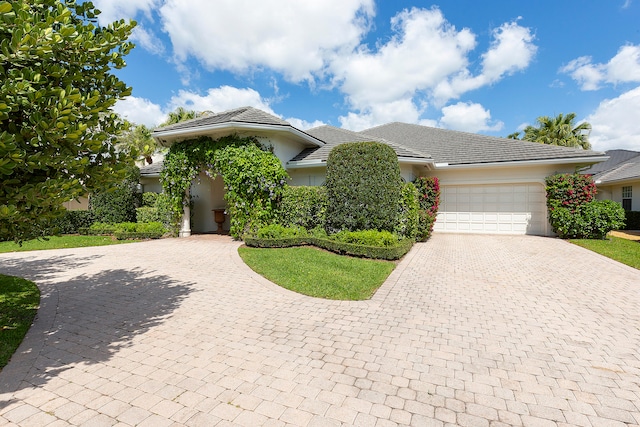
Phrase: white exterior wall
(151, 185)
(614, 192)
(207, 194)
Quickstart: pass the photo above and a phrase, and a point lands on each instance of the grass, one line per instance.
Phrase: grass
(61, 242)
(622, 250)
(19, 299)
(318, 273)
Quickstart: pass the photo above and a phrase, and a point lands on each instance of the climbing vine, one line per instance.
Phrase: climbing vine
(253, 176)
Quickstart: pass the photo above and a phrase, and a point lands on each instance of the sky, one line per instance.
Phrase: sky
(490, 67)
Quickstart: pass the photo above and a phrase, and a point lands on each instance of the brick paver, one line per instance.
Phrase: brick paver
(468, 330)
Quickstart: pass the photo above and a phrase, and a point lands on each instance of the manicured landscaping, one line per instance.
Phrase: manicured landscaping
(616, 248)
(19, 299)
(61, 242)
(317, 273)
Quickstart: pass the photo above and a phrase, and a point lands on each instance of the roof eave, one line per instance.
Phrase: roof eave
(301, 164)
(617, 181)
(168, 137)
(556, 161)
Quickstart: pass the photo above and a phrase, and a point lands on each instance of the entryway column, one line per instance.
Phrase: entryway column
(185, 229)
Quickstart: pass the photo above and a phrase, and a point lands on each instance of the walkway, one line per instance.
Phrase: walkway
(468, 330)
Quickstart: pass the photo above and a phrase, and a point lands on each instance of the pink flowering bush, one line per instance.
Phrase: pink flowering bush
(429, 199)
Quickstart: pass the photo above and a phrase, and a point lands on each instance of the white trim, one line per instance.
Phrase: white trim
(522, 163)
(414, 160)
(299, 164)
(199, 130)
(618, 181)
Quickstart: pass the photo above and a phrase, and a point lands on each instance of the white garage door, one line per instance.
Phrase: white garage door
(502, 209)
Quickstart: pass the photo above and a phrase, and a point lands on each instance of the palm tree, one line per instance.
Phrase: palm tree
(180, 114)
(559, 130)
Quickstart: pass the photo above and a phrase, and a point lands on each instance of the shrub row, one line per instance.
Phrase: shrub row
(632, 220)
(367, 244)
(127, 230)
(71, 222)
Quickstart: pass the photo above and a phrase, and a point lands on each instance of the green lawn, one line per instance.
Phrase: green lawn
(317, 273)
(60, 242)
(623, 250)
(19, 299)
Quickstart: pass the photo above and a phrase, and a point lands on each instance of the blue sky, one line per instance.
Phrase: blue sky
(488, 67)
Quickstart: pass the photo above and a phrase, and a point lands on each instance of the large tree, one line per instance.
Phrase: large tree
(137, 141)
(559, 130)
(57, 130)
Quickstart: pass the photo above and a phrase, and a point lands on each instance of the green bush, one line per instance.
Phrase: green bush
(100, 228)
(632, 220)
(591, 220)
(303, 206)
(573, 211)
(117, 204)
(128, 230)
(376, 238)
(149, 199)
(429, 201)
(394, 252)
(277, 231)
(71, 222)
(364, 187)
(408, 215)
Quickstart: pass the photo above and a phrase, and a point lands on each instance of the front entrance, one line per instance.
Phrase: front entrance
(207, 195)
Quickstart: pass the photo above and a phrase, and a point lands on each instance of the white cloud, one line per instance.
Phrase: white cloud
(113, 10)
(147, 40)
(294, 38)
(426, 60)
(624, 67)
(140, 111)
(220, 99)
(468, 117)
(303, 124)
(615, 123)
(511, 50)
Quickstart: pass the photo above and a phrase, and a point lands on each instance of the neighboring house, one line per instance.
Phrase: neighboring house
(79, 204)
(618, 178)
(488, 184)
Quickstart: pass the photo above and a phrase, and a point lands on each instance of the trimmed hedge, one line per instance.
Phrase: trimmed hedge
(72, 221)
(408, 212)
(364, 187)
(128, 230)
(632, 220)
(367, 244)
(303, 206)
(117, 204)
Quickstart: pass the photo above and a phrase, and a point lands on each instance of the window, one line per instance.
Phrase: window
(626, 198)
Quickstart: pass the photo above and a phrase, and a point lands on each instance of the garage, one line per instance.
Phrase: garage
(495, 209)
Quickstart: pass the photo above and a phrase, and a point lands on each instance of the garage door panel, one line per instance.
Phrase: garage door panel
(508, 209)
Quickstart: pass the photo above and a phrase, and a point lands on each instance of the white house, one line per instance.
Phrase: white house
(488, 184)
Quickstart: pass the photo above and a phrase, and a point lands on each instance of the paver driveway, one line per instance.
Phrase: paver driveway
(468, 330)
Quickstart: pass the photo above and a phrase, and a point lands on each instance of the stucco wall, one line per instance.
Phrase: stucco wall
(614, 192)
(81, 204)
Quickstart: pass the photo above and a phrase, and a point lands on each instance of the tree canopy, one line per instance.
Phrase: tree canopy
(138, 143)
(559, 130)
(57, 130)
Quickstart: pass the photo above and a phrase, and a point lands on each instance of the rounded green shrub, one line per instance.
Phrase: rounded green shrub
(364, 187)
(303, 206)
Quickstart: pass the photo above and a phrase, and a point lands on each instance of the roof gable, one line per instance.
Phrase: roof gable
(462, 148)
(625, 170)
(239, 115)
(333, 136)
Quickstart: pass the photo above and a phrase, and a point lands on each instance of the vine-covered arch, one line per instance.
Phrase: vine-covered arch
(253, 177)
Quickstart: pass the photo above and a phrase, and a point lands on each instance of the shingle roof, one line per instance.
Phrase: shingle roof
(152, 169)
(625, 170)
(333, 136)
(615, 158)
(238, 115)
(459, 148)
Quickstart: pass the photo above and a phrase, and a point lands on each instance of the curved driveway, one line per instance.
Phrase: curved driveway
(468, 330)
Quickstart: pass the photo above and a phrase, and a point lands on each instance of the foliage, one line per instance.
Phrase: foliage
(364, 187)
(573, 211)
(100, 228)
(119, 203)
(317, 273)
(429, 201)
(377, 238)
(632, 220)
(367, 243)
(19, 300)
(138, 143)
(129, 230)
(303, 206)
(408, 212)
(57, 242)
(254, 178)
(560, 130)
(277, 231)
(57, 133)
(570, 190)
(72, 221)
(180, 114)
(155, 209)
(621, 250)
